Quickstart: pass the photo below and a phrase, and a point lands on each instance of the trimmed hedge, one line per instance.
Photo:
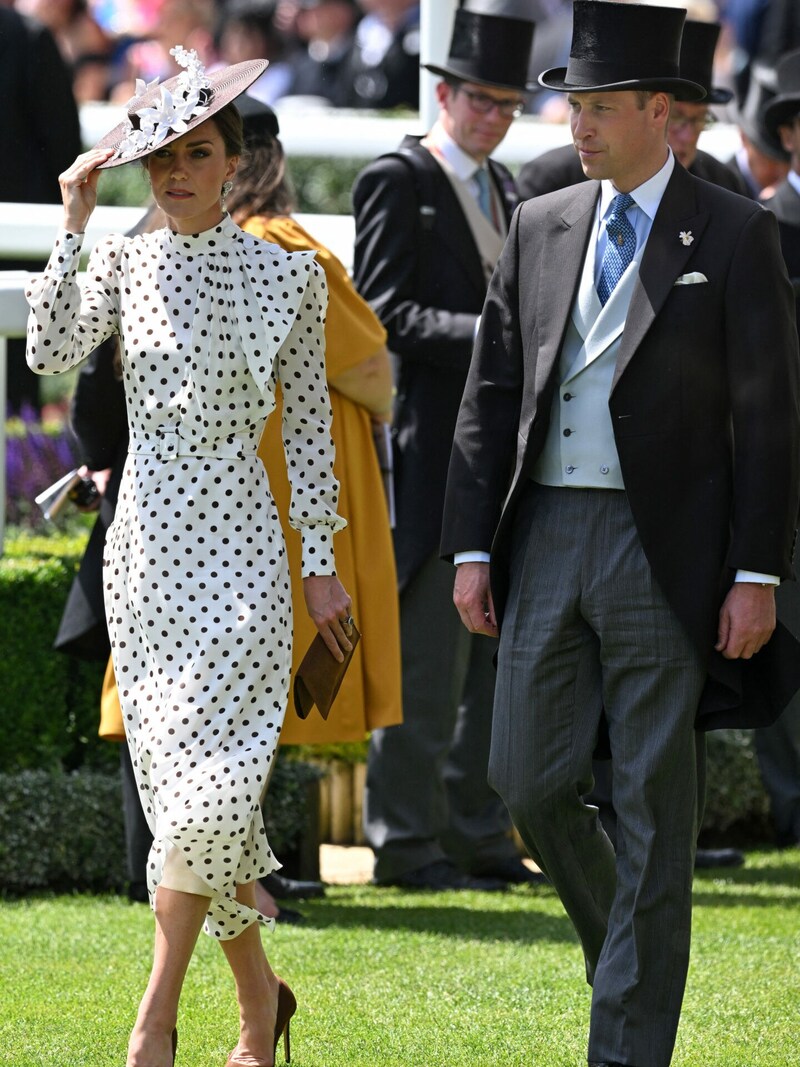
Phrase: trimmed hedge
(49, 702)
(65, 832)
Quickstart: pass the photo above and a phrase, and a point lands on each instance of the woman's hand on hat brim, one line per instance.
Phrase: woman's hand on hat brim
(79, 188)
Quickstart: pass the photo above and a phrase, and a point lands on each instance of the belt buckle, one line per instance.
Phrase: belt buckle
(168, 442)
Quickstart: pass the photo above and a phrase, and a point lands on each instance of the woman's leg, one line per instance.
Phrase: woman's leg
(179, 919)
(256, 989)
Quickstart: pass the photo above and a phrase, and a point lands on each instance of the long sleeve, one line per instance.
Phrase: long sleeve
(66, 323)
(306, 430)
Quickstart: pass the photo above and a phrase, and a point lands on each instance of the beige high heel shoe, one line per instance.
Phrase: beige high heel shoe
(287, 1006)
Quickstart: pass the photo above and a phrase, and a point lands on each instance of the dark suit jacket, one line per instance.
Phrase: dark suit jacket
(704, 407)
(427, 286)
(39, 127)
(785, 205)
(561, 167)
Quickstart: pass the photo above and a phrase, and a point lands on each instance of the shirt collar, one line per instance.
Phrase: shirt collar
(794, 180)
(461, 162)
(647, 195)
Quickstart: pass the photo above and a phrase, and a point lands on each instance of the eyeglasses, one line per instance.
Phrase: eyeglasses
(697, 124)
(509, 107)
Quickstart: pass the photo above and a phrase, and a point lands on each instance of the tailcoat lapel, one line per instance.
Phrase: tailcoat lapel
(664, 260)
(563, 253)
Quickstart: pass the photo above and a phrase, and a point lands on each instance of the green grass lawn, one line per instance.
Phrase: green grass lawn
(407, 980)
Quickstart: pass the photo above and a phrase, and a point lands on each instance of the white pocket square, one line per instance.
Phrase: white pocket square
(695, 278)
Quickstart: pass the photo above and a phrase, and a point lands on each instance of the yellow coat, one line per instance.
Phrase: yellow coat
(370, 693)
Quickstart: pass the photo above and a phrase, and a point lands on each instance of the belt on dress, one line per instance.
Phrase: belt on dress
(165, 443)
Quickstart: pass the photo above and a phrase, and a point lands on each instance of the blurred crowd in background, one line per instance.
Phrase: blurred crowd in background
(344, 53)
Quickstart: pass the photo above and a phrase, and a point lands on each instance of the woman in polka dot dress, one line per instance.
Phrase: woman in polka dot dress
(196, 581)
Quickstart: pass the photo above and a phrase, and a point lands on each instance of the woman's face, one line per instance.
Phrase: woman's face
(187, 177)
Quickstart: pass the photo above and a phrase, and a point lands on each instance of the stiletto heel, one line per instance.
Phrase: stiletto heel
(287, 1006)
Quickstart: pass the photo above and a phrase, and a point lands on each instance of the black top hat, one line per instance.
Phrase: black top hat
(161, 112)
(761, 91)
(623, 46)
(786, 104)
(698, 44)
(257, 117)
(488, 50)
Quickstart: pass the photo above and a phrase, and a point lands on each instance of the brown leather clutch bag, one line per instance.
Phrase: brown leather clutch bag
(319, 676)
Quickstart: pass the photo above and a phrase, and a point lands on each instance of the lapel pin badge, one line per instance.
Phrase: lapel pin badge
(686, 237)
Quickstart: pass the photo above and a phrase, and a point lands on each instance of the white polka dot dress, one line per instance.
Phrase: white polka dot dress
(196, 579)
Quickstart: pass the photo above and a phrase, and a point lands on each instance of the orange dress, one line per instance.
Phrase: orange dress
(370, 695)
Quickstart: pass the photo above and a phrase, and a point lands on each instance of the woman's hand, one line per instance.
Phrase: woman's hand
(79, 188)
(329, 607)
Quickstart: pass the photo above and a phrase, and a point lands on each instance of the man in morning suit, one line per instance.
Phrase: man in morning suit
(688, 118)
(626, 455)
(430, 224)
(778, 746)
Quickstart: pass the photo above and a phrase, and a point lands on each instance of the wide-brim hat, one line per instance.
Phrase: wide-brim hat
(761, 92)
(617, 47)
(161, 112)
(488, 50)
(698, 45)
(786, 104)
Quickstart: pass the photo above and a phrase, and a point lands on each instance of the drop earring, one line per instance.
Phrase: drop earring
(226, 189)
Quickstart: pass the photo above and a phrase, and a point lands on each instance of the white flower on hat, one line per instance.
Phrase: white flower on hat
(173, 112)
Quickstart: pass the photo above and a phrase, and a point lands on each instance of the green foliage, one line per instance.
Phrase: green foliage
(735, 798)
(49, 702)
(124, 187)
(65, 831)
(60, 831)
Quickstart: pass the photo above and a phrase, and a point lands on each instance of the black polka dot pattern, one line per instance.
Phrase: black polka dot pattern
(196, 579)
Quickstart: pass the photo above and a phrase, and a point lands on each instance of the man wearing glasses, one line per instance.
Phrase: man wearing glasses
(561, 166)
(431, 221)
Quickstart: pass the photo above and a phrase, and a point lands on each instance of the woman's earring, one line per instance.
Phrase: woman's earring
(226, 189)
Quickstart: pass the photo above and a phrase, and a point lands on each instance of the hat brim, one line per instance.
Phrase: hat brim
(715, 95)
(781, 111)
(556, 80)
(450, 72)
(226, 85)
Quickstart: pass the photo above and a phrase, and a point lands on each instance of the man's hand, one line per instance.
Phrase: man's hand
(746, 620)
(473, 598)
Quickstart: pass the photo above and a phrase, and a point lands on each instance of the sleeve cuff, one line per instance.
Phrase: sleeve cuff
(758, 579)
(317, 555)
(471, 557)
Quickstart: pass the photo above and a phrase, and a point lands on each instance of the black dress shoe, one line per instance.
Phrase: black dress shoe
(441, 875)
(289, 916)
(718, 857)
(290, 889)
(512, 872)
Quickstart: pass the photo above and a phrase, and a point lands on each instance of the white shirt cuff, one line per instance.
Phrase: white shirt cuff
(759, 579)
(471, 557)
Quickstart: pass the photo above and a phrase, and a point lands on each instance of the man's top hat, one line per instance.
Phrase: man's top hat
(698, 43)
(761, 91)
(623, 46)
(488, 50)
(786, 104)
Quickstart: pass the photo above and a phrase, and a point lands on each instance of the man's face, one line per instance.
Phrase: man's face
(790, 139)
(473, 115)
(686, 123)
(618, 138)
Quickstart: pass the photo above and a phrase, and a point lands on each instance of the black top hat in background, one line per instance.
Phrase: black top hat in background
(617, 46)
(257, 117)
(488, 50)
(698, 44)
(786, 104)
(761, 91)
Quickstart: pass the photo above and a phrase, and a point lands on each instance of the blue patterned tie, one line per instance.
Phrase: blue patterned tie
(484, 197)
(620, 245)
